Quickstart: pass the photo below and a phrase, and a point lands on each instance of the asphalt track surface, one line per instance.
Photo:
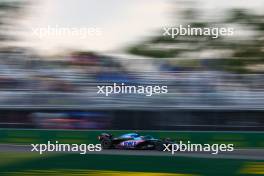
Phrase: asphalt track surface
(249, 154)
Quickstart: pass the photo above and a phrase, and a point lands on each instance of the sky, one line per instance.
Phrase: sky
(121, 22)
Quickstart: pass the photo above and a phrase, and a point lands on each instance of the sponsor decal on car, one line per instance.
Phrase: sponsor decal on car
(131, 143)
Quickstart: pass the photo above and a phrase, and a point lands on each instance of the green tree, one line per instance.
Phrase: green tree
(243, 52)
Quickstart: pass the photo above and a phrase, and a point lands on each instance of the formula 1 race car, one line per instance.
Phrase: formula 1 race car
(132, 141)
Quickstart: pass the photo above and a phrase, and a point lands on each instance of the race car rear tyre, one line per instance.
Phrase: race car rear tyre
(106, 143)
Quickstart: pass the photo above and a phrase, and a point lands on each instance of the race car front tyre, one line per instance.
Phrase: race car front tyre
(159, 146)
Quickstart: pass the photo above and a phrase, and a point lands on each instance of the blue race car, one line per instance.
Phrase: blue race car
(132, 141)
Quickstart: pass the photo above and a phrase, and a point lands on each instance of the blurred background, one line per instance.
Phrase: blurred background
(48, 83)
(216, 82)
